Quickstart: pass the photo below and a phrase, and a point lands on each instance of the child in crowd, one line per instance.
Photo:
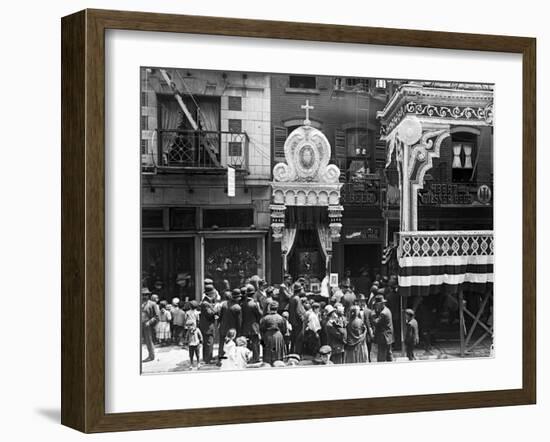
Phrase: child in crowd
(411, 334)
(229, 350)
(178, 322)
(242, 353)
(288, 332)
(194, 340)
(163, 326)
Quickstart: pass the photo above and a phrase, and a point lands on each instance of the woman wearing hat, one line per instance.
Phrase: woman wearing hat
(356, 339)
(273, 328)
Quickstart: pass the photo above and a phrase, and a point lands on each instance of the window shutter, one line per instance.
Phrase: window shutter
(340, 144)
(279, 138)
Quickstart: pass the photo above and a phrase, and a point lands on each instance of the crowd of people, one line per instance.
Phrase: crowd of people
(259, 325)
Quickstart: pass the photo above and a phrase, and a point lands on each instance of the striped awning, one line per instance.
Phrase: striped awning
(445, 262)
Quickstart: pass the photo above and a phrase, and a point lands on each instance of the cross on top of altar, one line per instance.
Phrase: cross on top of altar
(307, 107)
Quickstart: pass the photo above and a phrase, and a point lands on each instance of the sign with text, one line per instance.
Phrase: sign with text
(442, 194)
(230, 181)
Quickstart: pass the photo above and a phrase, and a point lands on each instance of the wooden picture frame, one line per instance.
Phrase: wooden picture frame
(83, 220)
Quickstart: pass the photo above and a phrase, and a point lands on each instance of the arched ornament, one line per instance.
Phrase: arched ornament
(307, 154)
(424, 152)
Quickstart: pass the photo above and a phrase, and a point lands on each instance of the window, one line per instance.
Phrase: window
(357, 84)
(234, 260)
(144, 146)
(182, 218)
(381, 84)
(235, 125)
(144, 99)
(228, 218)
(463, 157)
(357, 142)
(302, 82)
(144, 122)
(235, 103)
(235, 149)
(152, 219)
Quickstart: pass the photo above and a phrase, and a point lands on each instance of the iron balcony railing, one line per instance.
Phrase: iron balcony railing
(202, 149)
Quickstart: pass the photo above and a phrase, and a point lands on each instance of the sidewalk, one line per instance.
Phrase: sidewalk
(175, 359)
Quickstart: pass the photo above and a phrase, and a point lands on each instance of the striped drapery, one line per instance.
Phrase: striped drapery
(445, 262)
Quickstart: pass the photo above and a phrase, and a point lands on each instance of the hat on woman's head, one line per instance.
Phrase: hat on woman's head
(273, 306)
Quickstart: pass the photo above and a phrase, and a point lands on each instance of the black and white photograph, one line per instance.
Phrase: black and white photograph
(303, 220)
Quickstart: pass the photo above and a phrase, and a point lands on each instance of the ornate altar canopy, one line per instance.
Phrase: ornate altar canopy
(306, 179)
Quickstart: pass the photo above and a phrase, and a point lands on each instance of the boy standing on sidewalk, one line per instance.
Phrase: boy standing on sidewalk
(411, 333)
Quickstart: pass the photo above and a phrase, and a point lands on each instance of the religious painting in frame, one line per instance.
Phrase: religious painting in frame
(324, 209)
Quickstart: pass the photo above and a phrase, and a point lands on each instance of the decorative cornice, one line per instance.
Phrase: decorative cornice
(454, 105)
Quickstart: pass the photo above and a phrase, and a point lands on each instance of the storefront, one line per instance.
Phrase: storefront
(176, 257)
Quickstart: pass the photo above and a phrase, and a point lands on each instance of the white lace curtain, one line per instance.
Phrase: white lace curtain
(287, 242)
(457, 161)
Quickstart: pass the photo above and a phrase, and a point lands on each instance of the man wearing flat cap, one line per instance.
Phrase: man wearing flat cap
(150, 314)
(251, 315)
(381, 320)
(207, 322)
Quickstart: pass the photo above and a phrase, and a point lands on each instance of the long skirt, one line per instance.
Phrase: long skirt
(274, 346)
(163, 330)
(356, 353)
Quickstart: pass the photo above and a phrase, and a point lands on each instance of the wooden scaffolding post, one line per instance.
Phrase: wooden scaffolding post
(461, 321)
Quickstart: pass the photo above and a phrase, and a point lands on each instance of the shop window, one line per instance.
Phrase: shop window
(167, 267)
(227, 218)
(183, 218)
(302, 82)
(152, 219)
(231, 259)
(235, 103)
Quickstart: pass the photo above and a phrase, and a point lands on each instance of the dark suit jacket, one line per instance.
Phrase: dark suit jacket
(207, 318)
(296, 313)
(229, 318)
(383, 327)
(251, 315)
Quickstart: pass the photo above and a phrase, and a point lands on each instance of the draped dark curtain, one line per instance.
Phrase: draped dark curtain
(306, 218)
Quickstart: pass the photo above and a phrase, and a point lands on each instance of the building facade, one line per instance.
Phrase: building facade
(344, 110)
(197, 128)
